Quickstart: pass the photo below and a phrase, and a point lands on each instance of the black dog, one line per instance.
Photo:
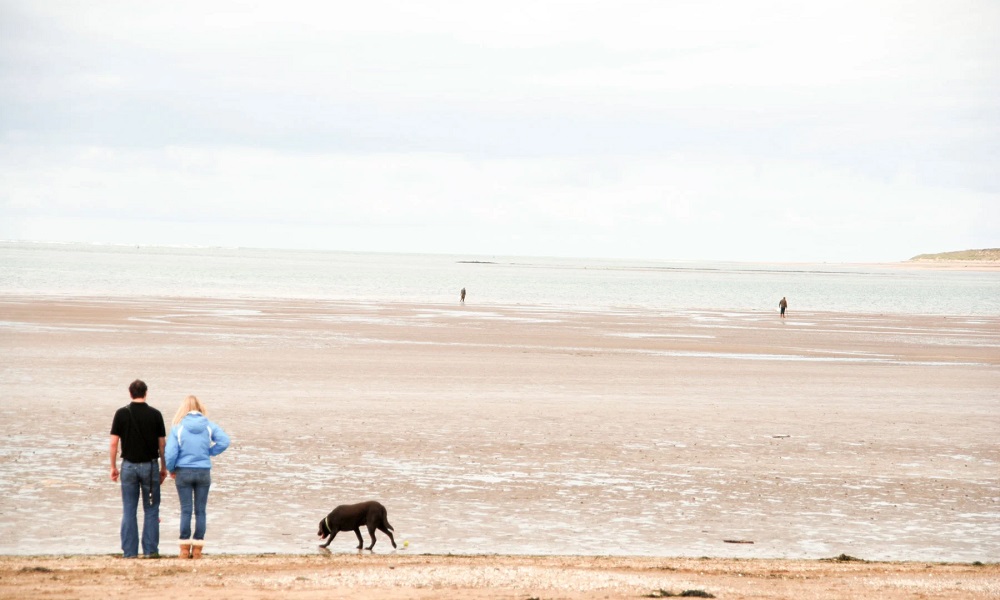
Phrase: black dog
(352, 516)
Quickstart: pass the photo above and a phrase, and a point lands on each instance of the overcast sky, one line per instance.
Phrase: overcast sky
(729, 130)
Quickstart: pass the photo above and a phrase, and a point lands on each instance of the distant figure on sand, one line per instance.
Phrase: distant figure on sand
(783, 305)
(463, 295)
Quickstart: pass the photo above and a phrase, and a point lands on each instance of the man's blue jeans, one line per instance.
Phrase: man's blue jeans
(192, 488)
(140, 481)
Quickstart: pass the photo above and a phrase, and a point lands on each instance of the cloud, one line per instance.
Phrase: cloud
(682, 207)
(776, 130)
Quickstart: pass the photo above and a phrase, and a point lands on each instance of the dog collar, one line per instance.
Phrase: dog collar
(326, 520)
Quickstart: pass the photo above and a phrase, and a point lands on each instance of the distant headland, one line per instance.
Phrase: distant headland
(985, 254)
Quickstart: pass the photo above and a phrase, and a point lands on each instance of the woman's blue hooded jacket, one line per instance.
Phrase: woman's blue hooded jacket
(193, 442)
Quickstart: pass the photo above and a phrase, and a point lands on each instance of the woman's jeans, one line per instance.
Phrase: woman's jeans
(192, 488)
(140, 480)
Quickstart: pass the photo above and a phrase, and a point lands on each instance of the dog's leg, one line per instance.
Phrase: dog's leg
(332, 535)
(371, 534)
(388, 533)
(361, 541)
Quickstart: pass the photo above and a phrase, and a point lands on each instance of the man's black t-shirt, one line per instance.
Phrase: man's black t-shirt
(140, 427)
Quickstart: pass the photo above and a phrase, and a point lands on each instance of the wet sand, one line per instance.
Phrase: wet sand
(518, 430)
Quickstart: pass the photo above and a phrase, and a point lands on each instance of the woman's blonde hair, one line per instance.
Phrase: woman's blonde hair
(190, 403)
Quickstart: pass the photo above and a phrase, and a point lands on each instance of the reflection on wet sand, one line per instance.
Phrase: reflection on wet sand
(519, 430)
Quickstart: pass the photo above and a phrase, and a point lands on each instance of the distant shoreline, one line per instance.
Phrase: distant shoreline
(950, 264)
(986, 255)
(987, 259)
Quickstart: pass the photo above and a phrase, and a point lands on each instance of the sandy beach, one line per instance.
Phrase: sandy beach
(511, 577)
(517, 430)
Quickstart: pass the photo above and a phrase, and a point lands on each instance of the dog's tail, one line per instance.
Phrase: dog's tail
(385, 519)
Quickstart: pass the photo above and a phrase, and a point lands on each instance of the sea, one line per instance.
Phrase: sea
(93, 270)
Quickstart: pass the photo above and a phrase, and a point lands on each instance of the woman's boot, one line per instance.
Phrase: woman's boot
(196, 547)
(185, 549)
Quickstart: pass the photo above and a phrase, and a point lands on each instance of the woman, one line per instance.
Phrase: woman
(192, 443)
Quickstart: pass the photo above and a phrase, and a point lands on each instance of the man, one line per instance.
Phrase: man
(140, 429)
(783, 305)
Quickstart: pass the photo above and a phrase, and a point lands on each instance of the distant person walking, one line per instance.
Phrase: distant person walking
(463, 295)
(783, 305)
(193, 441)
(139, 429)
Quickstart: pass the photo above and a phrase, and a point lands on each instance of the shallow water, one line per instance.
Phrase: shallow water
(81, 270)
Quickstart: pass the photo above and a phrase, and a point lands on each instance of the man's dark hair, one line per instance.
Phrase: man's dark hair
(137, 389)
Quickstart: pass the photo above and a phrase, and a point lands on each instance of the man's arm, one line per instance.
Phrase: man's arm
(163, 459)
(114, 458)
